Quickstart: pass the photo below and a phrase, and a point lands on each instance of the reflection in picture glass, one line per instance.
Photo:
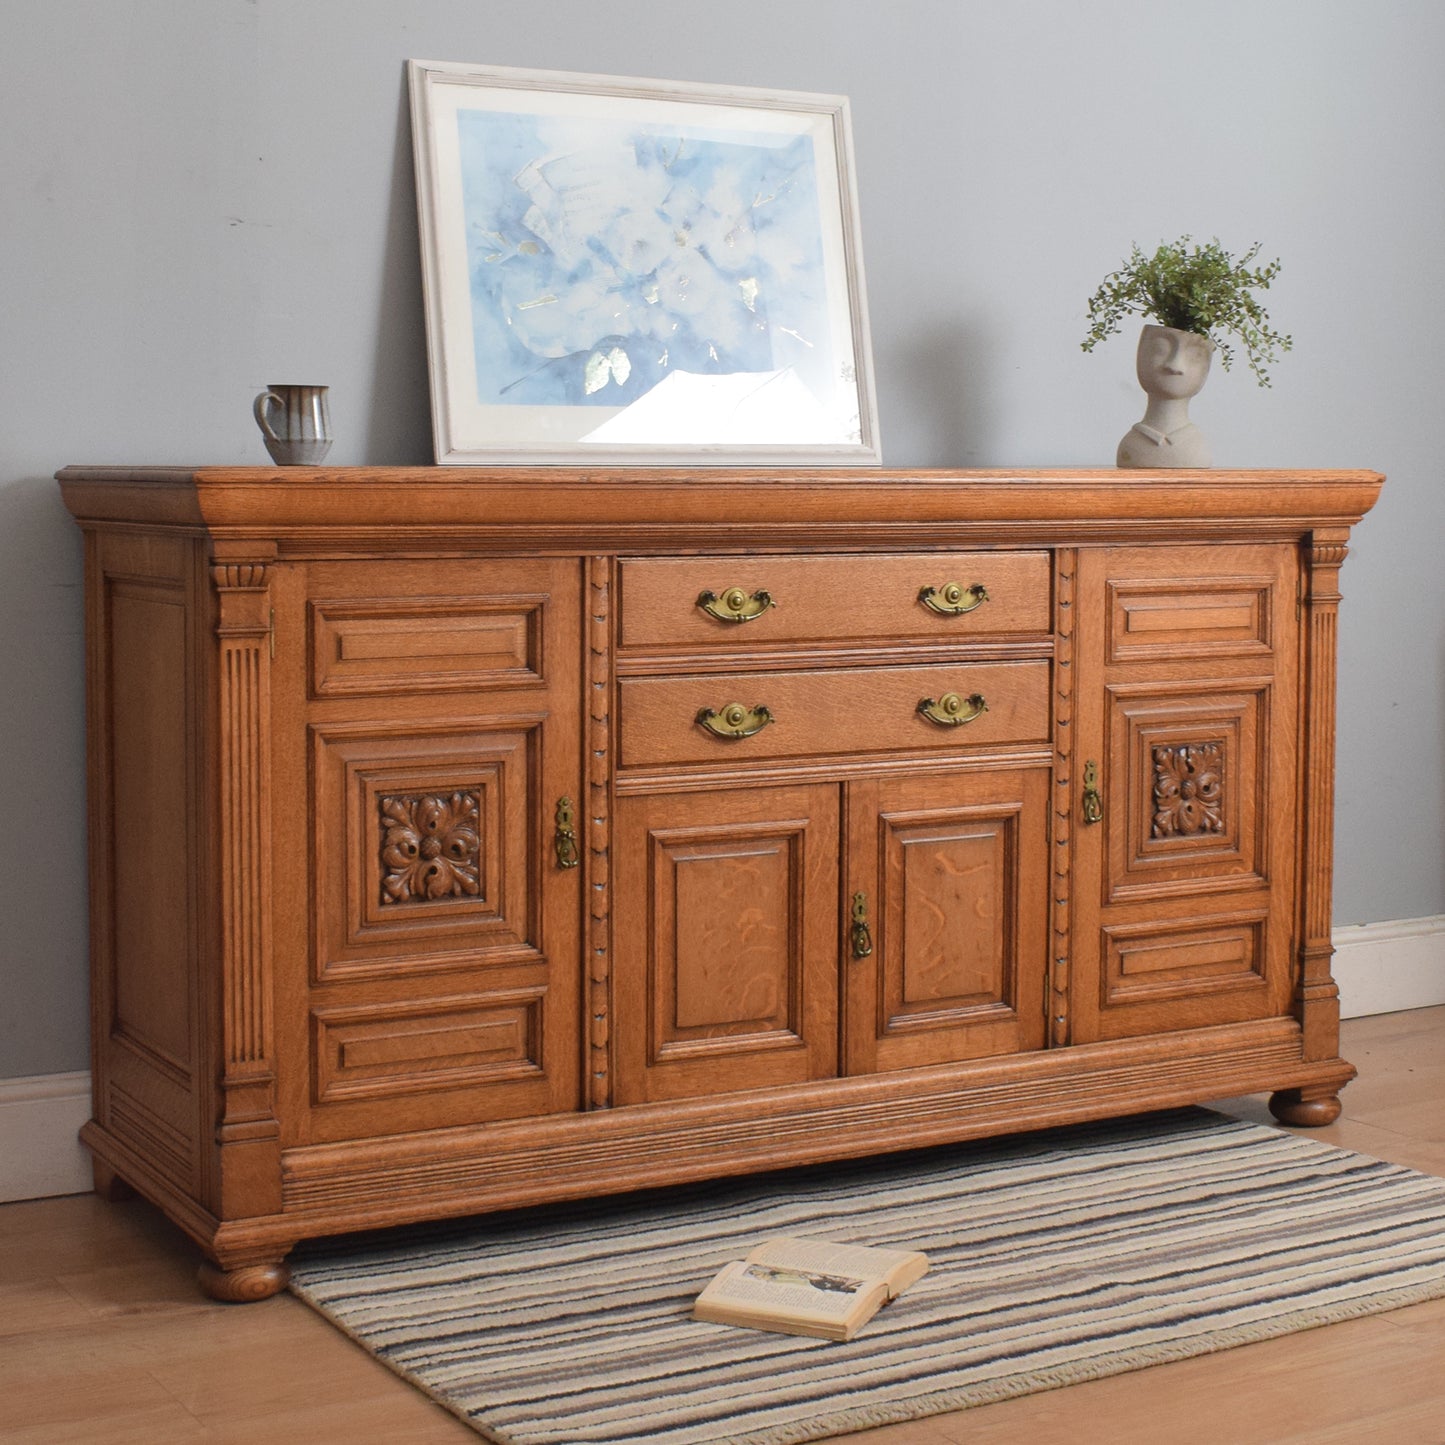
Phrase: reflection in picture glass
(605, 257)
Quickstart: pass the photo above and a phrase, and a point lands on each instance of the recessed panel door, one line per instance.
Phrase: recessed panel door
(945, 956)
(1184, 872)
(725, 940)
(429, 942)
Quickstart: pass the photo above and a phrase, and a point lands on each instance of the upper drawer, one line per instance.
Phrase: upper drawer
(666, 601)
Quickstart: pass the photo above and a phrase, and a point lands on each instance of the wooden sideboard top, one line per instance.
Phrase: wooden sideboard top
(597, 509)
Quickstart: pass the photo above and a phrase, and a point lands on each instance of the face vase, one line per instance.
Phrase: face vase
(1172, 366)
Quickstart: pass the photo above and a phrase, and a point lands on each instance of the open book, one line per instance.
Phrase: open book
(809, 1287)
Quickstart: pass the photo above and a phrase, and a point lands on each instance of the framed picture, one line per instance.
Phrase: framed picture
(639, 272)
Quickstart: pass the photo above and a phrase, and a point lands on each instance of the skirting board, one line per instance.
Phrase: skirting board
(1380, 967)
(40, 1154)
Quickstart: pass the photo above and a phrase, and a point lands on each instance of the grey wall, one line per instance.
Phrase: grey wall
(199, 198)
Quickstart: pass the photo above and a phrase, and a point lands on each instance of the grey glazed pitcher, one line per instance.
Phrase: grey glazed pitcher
(296, 423)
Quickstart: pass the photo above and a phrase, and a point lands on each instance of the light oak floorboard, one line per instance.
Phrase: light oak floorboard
(104, 1337)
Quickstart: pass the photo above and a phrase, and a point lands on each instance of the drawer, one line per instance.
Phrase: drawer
(840, 710)
(832, 598)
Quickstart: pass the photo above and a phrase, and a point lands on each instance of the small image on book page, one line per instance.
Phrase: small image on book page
(778, 1274)
(798, 1292)
(857, 1262)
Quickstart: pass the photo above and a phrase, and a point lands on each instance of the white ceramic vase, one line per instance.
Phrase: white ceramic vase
(1172, 366)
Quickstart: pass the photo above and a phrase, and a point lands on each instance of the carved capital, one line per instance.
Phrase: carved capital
(1327, 552)
(239, 576)
(244, 597)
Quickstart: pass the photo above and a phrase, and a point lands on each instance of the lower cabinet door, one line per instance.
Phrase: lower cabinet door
(726, 935)
(1187, 727)
(428, 944)
(945, 957)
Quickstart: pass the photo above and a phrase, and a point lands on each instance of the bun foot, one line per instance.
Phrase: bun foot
(246, 1283)
(1301, 1109)
(109, 1186)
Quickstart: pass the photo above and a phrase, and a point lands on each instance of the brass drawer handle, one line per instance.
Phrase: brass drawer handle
(858, 935)
(952, 600)
(952, 711)
(735, 721)
(1093, 804)
(565, 838)
(735, 605)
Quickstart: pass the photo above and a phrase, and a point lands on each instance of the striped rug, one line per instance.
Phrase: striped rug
(1056, 1258)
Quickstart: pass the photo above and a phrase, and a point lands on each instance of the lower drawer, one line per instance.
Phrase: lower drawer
(857, 710)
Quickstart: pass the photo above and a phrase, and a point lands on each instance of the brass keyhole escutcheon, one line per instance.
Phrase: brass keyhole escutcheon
(953, 598)
(1093, 803)
(860, 939)
(564, 841)
(951, 710)
(733, 720)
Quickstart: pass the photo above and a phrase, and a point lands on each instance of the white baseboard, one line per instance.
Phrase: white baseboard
(1380, 967)
(39, 1152)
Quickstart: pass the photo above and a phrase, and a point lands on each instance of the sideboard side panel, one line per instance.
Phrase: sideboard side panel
(150, 1060)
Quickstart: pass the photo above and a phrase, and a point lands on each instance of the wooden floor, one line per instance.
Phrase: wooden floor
(104, 1337)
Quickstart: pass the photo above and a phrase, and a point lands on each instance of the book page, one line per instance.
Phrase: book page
(755, 1288)
(900, 1267)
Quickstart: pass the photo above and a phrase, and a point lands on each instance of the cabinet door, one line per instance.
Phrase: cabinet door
(948, 873)
(725, 940)
(1186, 688)
(429, 945)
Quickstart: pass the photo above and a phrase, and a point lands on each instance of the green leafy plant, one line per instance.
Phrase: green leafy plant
(1193, 288)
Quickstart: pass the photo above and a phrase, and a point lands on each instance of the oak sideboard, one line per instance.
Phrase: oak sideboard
(464, 839)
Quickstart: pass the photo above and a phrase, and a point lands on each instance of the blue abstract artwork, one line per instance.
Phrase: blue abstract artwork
(603, 256)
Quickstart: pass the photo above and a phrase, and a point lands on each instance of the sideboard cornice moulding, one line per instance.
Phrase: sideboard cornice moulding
(743, 508)
(464, 839)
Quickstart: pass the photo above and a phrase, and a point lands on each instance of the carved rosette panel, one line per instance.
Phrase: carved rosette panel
(1188, 790)
(431, 847)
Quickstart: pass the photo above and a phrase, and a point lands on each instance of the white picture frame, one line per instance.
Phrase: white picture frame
(639, 272)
